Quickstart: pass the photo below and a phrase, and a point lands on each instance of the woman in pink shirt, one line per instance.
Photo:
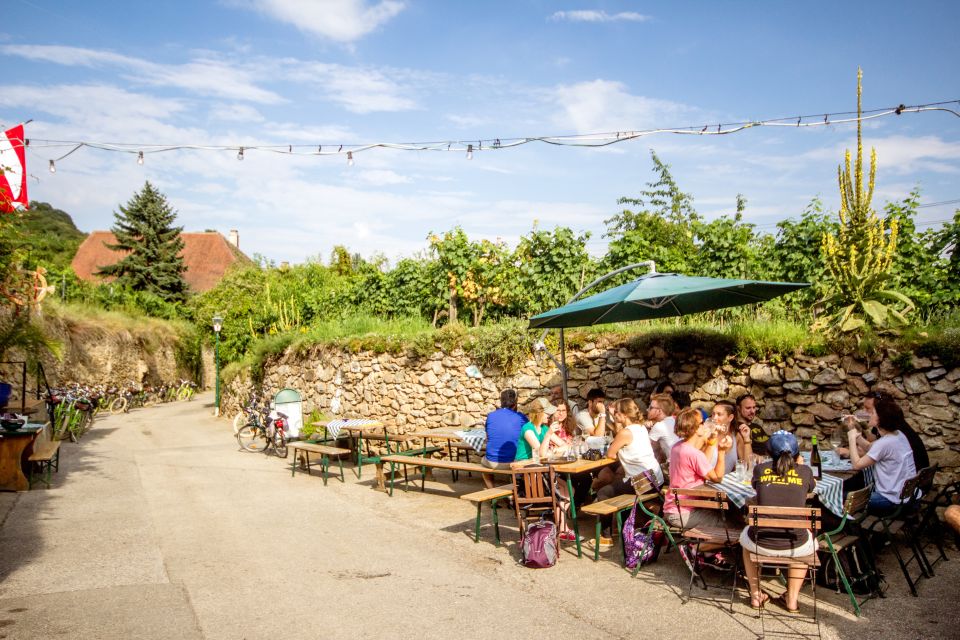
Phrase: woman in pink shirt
(689, 468)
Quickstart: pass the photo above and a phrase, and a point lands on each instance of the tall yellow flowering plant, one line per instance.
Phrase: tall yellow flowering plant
(859, 256)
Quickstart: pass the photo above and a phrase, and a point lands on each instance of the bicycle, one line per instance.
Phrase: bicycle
(187, 389)
(264, 432)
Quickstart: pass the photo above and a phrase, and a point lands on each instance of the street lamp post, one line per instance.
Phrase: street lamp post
(217, 325)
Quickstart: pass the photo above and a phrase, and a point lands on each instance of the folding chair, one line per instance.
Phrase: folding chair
(931, 529)
(726, 538)
(902, 525)
(533, 494)
(847, 536)
(777, 519)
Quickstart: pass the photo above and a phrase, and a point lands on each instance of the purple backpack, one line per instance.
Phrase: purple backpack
(640, 546)
(539, 545)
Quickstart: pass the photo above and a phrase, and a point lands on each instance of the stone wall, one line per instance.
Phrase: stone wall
(803, 394)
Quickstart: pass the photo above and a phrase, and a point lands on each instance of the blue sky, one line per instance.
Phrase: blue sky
(295, 72)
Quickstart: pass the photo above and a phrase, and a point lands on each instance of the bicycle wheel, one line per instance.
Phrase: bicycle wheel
(239, 420)
(252, 438)
(149, 399)
(280, 444)
(119, 405)
(186, 393)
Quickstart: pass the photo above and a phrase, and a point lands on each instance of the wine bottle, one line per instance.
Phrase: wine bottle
(815, 465)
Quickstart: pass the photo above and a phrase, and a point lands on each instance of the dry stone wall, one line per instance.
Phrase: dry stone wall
(803, 394)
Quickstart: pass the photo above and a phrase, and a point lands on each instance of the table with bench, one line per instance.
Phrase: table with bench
(15, 449)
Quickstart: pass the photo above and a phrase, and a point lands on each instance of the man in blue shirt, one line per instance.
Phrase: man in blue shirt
(503, 431)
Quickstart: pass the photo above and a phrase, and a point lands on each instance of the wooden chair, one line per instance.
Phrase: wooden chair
(724, 537)
(533, 494)
(902, 526)
(847, 536)
(777, 519)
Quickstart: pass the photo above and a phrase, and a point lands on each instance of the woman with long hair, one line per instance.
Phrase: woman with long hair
(783, 481)
(890, 454)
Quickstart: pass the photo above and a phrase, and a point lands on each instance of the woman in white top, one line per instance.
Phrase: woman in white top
(631, 447)
(890, 455)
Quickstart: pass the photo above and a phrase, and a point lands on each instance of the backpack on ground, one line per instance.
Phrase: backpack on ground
(863, 580)
(538, 547)
(639, 545)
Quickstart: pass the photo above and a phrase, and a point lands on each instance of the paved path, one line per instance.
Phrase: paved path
(157, 526)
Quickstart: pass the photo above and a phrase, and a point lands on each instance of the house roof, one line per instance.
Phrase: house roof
(207, 256)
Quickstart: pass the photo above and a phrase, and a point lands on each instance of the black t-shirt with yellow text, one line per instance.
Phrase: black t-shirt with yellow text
(779, 491)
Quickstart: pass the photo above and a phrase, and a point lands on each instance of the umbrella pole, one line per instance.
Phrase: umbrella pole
(563, 368)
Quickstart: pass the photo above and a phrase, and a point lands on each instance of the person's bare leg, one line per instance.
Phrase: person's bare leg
(795, 577)
(753, 580)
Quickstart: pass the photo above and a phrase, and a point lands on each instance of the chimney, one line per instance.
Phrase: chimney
(235, 238)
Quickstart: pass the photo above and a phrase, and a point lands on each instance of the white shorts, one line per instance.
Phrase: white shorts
(806, 549)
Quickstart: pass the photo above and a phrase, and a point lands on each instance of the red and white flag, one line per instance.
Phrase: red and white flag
(13, 170)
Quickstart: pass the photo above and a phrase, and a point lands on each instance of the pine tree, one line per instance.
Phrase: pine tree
(145, 228)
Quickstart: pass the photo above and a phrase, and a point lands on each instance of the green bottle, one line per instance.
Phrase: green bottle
(815, 463)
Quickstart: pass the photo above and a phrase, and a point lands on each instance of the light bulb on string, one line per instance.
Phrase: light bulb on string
(240, 154)
(140, 158)
(349, 158)
(53, 167)
(469, 152)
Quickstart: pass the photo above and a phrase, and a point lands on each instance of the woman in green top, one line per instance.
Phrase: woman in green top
(535, 435)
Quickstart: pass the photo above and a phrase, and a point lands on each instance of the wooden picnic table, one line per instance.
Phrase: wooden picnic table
(454, 444)
(357, 432)
(570, 469)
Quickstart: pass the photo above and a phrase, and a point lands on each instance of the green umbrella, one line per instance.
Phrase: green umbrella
(661, 295)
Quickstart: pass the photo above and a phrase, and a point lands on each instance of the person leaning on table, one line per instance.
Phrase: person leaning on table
(781, 482)
(890, 455)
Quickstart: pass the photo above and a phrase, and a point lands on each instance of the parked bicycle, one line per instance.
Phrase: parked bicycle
(264, 432)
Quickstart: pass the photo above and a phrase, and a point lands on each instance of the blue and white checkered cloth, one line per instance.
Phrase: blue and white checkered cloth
(334, 426)
(476, 438)
(829, 489)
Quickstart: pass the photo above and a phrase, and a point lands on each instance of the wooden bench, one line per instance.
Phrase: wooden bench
(45, 456)
(424, 464)
(491, 496)
(611, 506)
(302, 450)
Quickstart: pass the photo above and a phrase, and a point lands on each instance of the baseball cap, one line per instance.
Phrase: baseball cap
(783, 442)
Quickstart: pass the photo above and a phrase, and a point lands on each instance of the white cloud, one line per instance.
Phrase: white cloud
(340, 20)
(589, 15)
(203, 76)
(357, 89)
(605, 105)
(381, 177)
(235, 113)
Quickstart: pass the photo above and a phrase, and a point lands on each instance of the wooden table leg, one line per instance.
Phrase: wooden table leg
(12, 449)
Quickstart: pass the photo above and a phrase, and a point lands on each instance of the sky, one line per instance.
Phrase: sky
(315, 75)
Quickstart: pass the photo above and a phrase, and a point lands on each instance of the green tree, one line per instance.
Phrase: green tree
(551, 266)
(728, 247)
(144, 228)
(662, 229)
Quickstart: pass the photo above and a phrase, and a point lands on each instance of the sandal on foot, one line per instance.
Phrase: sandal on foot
(781, 601)
(764, 599)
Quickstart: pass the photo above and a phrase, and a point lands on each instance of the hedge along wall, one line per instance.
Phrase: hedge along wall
(802, 394)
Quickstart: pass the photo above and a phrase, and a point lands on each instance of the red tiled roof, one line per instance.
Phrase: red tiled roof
(206, 255)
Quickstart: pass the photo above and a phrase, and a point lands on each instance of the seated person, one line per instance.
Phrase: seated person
(593, 420)
(682, 401)
(631, 447)
(563, 426)
(503, 429)
(921, 459)
(535, 439)
(891, 455)
(722, 417)
(781, 482)
(661, 423)
(689, 469)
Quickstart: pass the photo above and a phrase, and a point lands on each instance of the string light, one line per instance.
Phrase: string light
(349, 158)
(469, 152)
(140, 158)
(53, 167)
(600, 139)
